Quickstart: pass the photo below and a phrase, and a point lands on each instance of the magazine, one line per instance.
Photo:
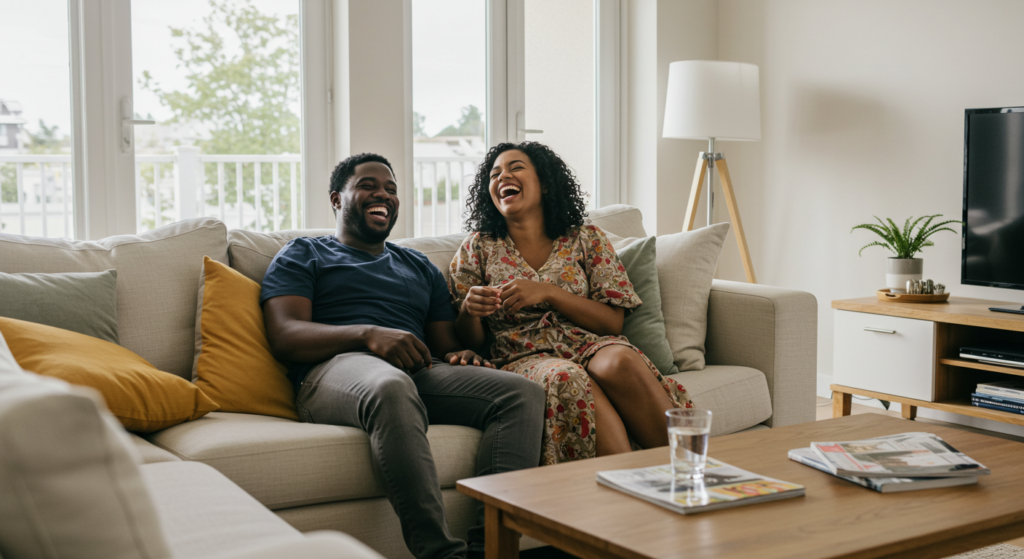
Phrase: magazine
(994, 403)
(1008, 388)
(807, 457)
(902, 455)
(727, 486)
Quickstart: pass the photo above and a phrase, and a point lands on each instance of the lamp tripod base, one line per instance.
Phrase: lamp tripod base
(706, 163)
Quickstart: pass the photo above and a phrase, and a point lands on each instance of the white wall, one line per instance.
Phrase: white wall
(862, 107)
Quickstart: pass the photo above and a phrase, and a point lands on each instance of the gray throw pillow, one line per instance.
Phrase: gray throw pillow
(645, 326)
(84, 302)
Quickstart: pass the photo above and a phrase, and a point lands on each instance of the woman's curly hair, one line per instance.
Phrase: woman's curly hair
(563, 203)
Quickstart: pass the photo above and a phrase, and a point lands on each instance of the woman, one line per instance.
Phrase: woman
(552, 292)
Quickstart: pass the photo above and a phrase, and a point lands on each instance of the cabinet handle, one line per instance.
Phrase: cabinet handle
(880, 330)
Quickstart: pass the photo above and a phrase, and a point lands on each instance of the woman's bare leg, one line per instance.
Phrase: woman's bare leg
(635, 393)
(611, 434)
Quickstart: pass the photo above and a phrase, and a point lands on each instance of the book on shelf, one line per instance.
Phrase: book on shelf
(901, 455)
(726, 485)
(1006, 388)
(997, 403)
(808, 457)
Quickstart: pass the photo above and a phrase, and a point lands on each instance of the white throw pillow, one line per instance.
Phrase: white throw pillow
(686, 266)
(69, 484)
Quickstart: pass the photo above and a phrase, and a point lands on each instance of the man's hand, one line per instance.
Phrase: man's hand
(398, 347)
(467, 357)
(482, 301)
(520, 293)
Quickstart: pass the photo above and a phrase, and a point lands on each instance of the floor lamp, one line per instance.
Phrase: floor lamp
(712, 100)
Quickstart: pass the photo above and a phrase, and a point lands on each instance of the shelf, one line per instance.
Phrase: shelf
(982, 366)
(962, 407)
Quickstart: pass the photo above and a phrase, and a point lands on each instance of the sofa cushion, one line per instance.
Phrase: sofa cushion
(149, 453)
(284, 463)
(619, 219)
(83, 302)
(142, 398)
(157, 281)
(737, 396)
(686, 267)
(69, 483)
(204, 514)
(234, 366)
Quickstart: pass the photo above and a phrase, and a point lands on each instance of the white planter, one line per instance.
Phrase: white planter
(899, 270)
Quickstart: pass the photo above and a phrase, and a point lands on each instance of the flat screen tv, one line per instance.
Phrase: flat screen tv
(993, 211)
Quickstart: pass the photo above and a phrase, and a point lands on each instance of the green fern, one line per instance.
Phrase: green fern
(909, 240)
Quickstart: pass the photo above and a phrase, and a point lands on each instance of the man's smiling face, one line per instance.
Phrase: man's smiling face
(368, 202)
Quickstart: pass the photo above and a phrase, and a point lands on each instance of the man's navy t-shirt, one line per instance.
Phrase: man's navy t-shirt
(398, 288)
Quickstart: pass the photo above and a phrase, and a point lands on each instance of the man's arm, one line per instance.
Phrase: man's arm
(294, 337)
(444, 345)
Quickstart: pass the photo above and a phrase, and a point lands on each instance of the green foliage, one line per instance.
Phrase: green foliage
(442, 192)
(906, 242)
(8, 182)
(46, 140)
(245, 97)
(417, 125)
(471, 123)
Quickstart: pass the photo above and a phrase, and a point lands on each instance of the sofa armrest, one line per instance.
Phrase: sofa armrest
(773, 330)
(315, 545)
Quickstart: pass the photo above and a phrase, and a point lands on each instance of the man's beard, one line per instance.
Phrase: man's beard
(353, 214)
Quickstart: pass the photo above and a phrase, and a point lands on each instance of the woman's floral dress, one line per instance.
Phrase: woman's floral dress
(540, 343)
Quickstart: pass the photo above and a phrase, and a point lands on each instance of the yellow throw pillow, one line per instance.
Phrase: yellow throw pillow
(142, 397)
(234, 365)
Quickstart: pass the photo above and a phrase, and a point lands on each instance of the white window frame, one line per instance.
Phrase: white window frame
(99, 34)
(506, 92)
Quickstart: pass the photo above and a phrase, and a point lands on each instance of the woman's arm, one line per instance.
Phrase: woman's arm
(599, 318)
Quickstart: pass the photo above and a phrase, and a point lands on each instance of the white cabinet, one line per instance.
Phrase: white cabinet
(885, 354)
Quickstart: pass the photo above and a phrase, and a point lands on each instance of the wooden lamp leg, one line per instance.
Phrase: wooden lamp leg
(734, 215)
(698, 182)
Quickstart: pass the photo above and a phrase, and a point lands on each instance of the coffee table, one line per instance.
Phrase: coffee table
(563, 505)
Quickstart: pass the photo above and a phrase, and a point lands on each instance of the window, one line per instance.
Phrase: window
(222, 83)
(36, 186)
(449, 93)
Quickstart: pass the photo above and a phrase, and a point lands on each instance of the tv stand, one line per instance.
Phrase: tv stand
(1016, 309)
(909, 353)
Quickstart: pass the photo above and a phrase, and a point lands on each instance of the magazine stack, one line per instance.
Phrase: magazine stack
(1005, 396)
(894, 463)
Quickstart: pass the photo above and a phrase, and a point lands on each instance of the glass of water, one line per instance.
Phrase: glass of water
(688, 431)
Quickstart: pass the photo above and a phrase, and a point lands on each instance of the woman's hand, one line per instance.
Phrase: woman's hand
(520, 293)
(467, 357)
(482, 301)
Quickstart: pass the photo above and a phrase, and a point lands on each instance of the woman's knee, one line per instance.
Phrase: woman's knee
(612, 363)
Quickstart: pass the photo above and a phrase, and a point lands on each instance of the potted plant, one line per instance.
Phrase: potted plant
(904, 244)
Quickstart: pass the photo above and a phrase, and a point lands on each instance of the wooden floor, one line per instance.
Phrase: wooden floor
(824, 411)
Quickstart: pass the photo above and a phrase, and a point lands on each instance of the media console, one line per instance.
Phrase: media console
(909, 353)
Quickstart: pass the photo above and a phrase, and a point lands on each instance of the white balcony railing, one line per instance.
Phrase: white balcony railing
(38, 196)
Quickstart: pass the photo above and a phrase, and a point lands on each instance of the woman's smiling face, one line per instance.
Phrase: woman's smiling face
(514, 185)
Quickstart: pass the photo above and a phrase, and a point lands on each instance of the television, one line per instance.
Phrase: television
(992, 247)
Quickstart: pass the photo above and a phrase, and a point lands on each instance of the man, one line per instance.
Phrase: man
(366, 324)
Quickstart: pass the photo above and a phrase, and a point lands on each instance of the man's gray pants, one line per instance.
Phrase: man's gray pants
(360, 389)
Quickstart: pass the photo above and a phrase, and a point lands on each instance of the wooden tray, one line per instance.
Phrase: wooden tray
(886, 295)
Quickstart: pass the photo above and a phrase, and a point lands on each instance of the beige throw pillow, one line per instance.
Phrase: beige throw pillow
(686, 266)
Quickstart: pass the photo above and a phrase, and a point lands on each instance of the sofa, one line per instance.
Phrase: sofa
(756, 370)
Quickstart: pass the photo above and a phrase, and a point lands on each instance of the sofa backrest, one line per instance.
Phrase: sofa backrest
(251, 252)
(157, 281)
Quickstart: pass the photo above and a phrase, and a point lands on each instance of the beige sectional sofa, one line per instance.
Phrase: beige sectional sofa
(760, 372)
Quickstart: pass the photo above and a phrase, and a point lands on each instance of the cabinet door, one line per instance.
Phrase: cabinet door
(885, 354)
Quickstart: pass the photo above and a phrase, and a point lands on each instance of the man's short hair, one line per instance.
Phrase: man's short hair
(344, 171)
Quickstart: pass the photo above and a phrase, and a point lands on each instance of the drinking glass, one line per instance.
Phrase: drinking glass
(688, 431)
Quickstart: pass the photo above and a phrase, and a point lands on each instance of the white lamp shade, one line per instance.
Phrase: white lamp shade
(712, 99)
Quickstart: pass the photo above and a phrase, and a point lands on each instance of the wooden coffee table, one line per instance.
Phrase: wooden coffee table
(564, 506)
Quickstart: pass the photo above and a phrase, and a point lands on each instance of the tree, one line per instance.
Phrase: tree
(417, 125)
(245, 96)
(46, 140)
(471, 123)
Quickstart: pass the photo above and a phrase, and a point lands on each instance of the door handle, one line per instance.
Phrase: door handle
(521, 128)
(879, 330)
(127, 123)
